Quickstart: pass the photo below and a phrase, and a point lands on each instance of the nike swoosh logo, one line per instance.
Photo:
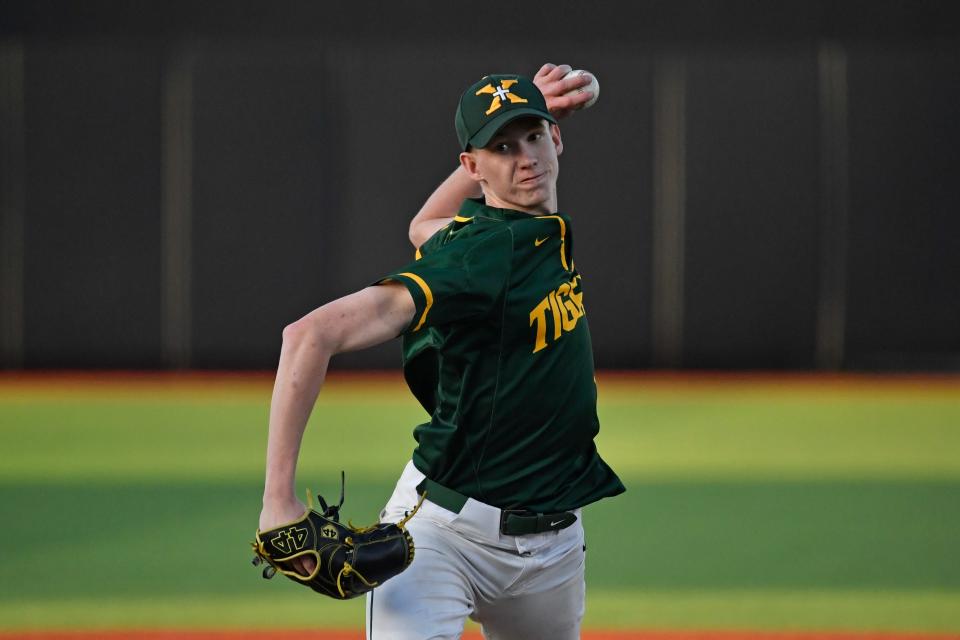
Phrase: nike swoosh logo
(553, 524)
(537, 242)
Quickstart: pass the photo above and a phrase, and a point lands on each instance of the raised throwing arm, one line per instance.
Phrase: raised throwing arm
(445, 201)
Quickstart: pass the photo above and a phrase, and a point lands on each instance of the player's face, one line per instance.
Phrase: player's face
(518, 169)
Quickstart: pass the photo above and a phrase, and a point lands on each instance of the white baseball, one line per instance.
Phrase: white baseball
(593, 87)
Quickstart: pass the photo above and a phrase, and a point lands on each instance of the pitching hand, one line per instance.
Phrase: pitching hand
(275, 514)
(553, 87)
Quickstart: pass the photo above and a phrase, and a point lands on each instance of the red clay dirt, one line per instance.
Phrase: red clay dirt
(82, 380)
(358, 635)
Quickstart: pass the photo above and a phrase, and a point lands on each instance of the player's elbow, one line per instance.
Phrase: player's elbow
(309, 333)
(295, 332)
(415, 234)
(423, 225)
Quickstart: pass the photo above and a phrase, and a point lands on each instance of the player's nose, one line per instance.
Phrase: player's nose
(527, 155)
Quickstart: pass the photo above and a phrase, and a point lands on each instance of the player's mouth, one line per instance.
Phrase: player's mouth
(533, 180)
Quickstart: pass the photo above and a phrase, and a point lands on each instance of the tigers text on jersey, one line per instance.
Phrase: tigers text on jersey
(499, 354)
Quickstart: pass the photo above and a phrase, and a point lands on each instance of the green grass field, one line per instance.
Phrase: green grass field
(750, 505)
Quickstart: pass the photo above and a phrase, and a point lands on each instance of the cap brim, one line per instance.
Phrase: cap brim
(482, 137)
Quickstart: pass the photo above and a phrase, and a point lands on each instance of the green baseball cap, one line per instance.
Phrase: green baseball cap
(488, 105)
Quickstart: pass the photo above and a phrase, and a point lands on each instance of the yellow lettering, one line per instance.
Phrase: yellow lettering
(568, 312)
(570, 320)
(566, 308)
(577, 297)
(555, 307)
(539, 315)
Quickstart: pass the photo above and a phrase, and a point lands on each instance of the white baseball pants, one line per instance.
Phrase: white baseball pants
(527, 587)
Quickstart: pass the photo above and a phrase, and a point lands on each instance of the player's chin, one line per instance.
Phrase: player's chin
(533, 196)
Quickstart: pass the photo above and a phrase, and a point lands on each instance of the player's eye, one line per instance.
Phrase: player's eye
(501, 147)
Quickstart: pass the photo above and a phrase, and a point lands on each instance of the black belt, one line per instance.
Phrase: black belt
(513, 522)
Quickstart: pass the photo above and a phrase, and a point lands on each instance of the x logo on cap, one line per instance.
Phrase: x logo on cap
(499, 93)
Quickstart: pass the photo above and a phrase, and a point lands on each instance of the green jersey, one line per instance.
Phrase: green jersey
(499, 354)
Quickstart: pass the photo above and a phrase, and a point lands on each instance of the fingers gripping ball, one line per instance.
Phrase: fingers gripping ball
(593, 87)
(349, 560)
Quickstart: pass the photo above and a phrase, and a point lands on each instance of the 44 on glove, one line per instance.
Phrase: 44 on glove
(350, 560)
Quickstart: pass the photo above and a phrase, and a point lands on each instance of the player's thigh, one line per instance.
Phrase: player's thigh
(430, 599)
(548, 604)
(547, 615)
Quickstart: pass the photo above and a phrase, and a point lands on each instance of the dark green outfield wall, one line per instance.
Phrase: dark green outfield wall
(760, 186)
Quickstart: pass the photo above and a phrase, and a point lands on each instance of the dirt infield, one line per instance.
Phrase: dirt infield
(358, 635)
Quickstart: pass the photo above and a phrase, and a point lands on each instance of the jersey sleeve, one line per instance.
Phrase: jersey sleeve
(457, 282)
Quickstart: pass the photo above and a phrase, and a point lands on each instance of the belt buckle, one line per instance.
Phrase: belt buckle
(505, 513)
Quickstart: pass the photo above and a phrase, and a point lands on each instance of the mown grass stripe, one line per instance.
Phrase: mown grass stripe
(733, 610)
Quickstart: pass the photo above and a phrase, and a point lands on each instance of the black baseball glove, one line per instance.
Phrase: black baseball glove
(350, 560)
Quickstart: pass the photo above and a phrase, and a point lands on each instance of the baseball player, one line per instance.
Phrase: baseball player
(497, 350)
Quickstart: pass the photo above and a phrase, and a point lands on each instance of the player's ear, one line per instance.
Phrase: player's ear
(469, 163)
(555, 136)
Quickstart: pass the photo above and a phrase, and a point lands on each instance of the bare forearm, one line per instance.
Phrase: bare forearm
(442, 205)
(300, 374)
(357, 321)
